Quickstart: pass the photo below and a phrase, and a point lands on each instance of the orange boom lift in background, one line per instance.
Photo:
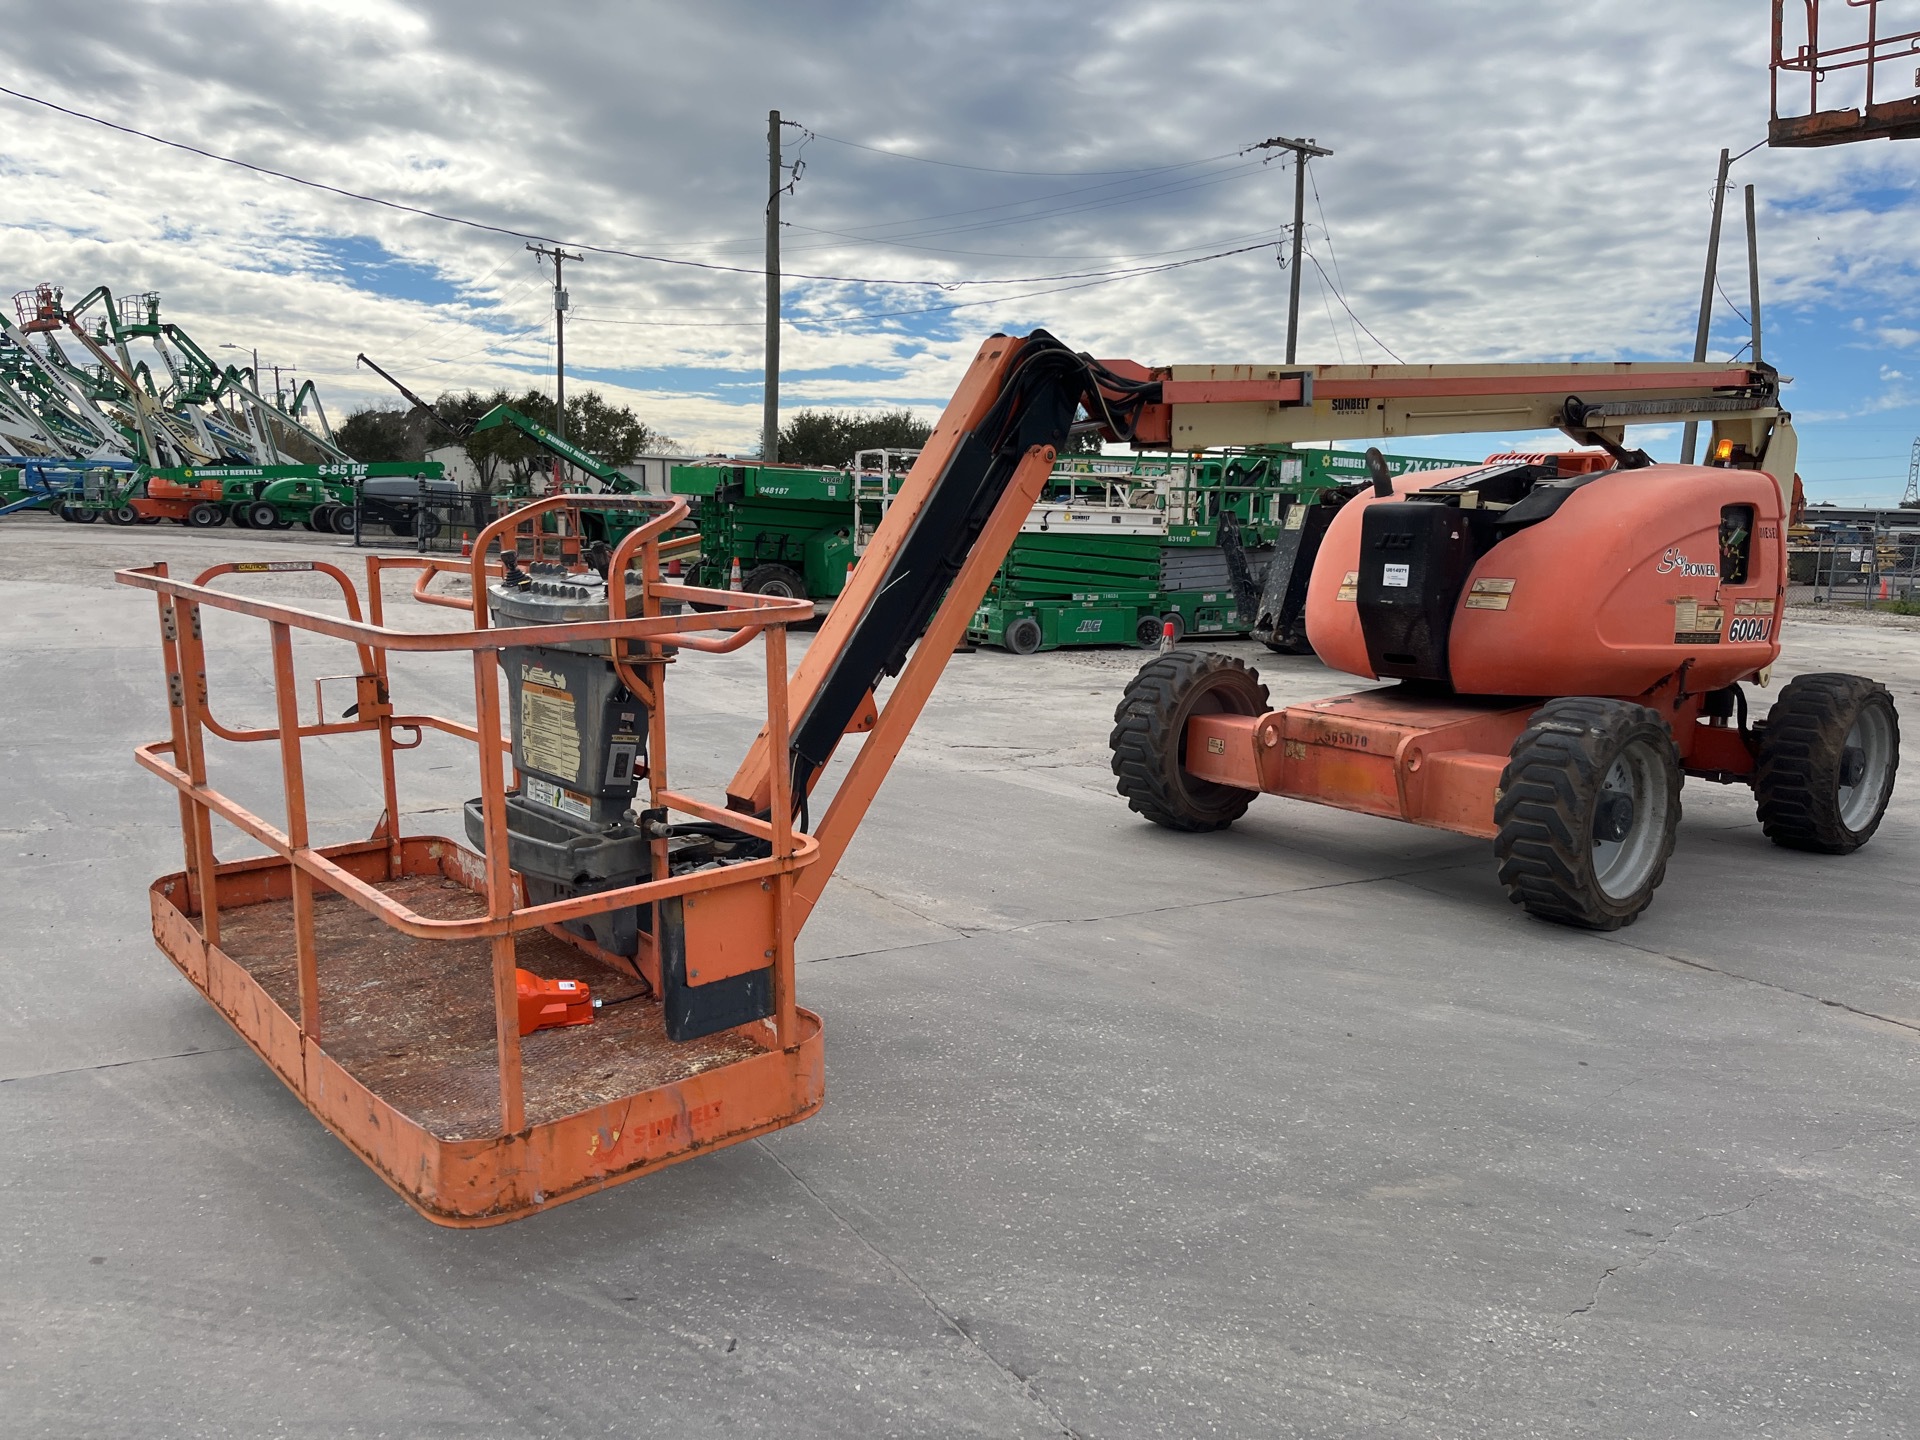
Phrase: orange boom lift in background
(1587, 621)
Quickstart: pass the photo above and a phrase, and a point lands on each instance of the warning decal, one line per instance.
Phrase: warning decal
(549, 731)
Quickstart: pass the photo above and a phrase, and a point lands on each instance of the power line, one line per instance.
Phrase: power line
(1327, 230)
(445, 218)
(859, 232)
(992, 170)
(942, 309)
(997, 255)
(1349, 309)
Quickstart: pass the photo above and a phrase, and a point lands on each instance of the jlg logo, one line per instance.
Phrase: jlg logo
(1089, 627)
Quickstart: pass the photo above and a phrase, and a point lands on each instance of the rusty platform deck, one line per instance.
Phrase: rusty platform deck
(412, 1020)
(405, 1070)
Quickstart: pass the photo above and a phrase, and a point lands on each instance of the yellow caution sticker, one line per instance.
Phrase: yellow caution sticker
(1349, 587)
(1753, 607)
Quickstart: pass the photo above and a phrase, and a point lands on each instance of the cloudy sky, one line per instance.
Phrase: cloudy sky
(1511, 181)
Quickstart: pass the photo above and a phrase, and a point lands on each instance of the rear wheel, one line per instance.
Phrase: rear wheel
(1829, 750)
(79, 515)
(123, 515)
(1149, 739)
(204, 516)
(262, 516)
(342, 518)
(782, 582)
(1022, 635)
(1587, 810)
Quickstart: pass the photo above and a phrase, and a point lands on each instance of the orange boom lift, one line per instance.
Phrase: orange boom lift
(600, 982)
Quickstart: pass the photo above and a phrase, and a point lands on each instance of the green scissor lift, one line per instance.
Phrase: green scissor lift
(1120, 547)
(794, 529)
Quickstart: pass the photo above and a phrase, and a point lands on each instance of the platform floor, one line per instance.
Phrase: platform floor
(1297, 1130)
(412, 1020)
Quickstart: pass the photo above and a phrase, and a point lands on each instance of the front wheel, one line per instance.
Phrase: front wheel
(1829, 750)
(1149, 739)
(204, 516)
(782, 582)
(342, 519)
(1022, 635)
(262, 516)
(1587, 810)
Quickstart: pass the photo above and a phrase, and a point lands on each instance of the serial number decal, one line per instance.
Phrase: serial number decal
(1748, 627)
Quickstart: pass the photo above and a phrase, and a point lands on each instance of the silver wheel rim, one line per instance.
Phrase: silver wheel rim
(1872, 735)
(1621, 867)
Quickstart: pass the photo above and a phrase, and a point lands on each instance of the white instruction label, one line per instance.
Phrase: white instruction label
(1394, 575)
(534, 788)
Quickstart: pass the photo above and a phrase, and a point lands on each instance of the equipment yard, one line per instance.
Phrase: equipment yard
(1293, 1129)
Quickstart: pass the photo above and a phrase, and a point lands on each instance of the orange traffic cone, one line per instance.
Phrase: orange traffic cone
(733, 576)
(1166, 636)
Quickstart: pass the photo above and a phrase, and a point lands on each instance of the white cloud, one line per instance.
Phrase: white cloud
(1510, 181)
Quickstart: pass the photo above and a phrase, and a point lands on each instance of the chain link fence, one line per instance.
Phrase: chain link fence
(1865, 565)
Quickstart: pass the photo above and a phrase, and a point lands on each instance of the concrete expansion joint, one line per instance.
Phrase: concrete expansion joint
(1010, 1377)
(1832, 1004)
(119, 1064)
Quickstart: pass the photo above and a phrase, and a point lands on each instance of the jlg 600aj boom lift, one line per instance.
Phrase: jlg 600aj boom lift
(1566, 641)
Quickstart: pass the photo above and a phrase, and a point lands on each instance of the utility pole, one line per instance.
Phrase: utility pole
(1301, 149)
(1753, 276)
(770, 404)
(559, 258)
(1692, 431)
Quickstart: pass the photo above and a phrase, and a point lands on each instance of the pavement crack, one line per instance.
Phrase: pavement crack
(1230, 899)
(1021, 1384)
(1654, 1249)
(899, 904)
(118, 1064)
(1828, 1001)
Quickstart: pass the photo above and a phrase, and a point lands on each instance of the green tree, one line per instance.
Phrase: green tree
(828, 437)
(375, 434)
(608, 432)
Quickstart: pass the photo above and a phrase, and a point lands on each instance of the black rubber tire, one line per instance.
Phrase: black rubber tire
(343, 520)
(1022, 635)
(1802, 755)
(320, 519)
(262, 516)
(1146, 631)
(426, 523)
(1549, 806)
(237, 517)
(204, 516)
(78, 516)
(60, 511)
(1150, 735)
(402, 529)
(781, 581)
(123, 515)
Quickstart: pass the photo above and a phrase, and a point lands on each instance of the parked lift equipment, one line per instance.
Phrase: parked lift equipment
(382, 979)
